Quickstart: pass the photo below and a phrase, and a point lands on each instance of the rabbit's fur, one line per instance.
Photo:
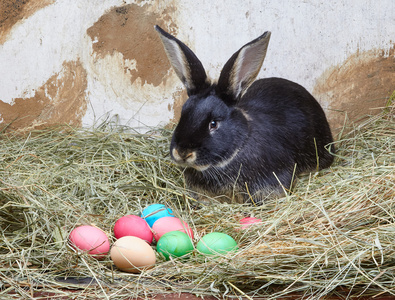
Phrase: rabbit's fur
(244, 137)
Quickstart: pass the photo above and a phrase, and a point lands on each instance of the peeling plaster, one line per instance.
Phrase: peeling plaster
(60, 100)
(339, 50)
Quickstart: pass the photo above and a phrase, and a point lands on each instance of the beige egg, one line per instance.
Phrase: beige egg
(132, 254)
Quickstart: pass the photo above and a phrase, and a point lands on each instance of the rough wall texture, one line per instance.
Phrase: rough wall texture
(128, 30)
(60, 100)
(85, 61)
(358, 86)
(128, 57)
(13, 11)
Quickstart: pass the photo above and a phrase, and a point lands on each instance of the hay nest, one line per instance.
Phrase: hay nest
(335, 232)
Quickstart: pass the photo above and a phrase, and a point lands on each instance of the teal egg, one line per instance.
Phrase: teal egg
(216, 243)
(154, 212)
(174, 243)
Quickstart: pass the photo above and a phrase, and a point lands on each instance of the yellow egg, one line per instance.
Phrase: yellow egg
(132, 254)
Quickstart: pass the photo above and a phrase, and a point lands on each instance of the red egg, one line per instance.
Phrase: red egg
(90, 239)
(167, 224)
(247, 222)
(131, 225)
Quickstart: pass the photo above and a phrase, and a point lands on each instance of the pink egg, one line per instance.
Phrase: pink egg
(131, 225)
(90, 239)
(167, 224)
(248, 221)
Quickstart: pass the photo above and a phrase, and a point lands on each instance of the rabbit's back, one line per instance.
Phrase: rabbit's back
(286, 117)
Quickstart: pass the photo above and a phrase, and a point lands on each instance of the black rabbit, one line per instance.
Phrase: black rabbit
(244, 137)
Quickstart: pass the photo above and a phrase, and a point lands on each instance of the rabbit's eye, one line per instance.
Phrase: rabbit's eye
(213, 125)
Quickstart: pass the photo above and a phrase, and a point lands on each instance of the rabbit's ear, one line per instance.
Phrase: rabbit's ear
(242, 68)
(185, 63)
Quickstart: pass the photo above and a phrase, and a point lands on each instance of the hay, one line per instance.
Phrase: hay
(335, 234)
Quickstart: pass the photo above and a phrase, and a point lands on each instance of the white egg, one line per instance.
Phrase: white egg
(132, 254)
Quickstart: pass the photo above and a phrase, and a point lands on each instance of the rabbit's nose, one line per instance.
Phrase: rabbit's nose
(184, 155)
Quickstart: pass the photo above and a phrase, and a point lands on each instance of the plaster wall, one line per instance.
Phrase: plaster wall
(82, 62)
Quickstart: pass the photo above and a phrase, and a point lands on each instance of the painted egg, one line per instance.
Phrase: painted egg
(90, 239)
(174, 243)
(216, 243)
(131, 225)
(248, 221)
(132, 254)
(167, 224)
(154, 212)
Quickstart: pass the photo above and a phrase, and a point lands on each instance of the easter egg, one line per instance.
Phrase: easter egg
(248, 221)
(154, 212)
(167, 224)
(174, 243)
(216, 243)
(131, 225)
(132, 254)
(90, 239)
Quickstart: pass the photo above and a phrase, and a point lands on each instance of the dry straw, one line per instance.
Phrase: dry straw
(334, 235)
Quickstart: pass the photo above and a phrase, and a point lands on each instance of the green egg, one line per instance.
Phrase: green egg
(175, 244)
(216, 243)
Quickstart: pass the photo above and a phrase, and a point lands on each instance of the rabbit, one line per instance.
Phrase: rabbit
(242, 138)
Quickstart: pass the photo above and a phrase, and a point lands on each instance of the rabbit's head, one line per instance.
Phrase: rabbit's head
(212, 128)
